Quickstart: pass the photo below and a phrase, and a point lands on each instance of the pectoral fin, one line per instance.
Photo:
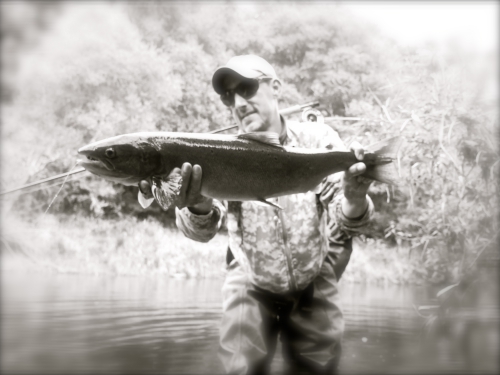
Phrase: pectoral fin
(166, 189)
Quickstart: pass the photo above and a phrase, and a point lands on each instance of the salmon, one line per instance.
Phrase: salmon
(251, 166)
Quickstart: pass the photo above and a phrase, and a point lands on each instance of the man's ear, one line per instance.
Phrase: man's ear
(276, 87)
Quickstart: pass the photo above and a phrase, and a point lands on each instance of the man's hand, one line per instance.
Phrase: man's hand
(190, 193)
(355, 186)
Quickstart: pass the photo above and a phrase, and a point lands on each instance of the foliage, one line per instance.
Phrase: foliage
(132, 246)
(74, 244)
(108, 68)
(449, 169)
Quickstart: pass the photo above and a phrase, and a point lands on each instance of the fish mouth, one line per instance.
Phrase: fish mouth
(95, 163)
(100, 169)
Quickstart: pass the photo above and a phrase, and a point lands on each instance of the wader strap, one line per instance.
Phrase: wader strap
(234, 208)
(229, 256)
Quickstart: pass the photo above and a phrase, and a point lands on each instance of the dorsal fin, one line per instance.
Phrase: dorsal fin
(269, 138)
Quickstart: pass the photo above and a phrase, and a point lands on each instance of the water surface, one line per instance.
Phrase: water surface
(108, 324)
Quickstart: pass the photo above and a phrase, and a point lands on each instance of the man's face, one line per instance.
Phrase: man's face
(258, 113)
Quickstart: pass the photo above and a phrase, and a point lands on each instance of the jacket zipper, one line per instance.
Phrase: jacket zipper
(288, 255)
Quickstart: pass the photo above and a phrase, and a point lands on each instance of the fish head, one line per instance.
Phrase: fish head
(126, 159)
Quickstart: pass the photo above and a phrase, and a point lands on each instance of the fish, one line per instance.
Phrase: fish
(243, 167)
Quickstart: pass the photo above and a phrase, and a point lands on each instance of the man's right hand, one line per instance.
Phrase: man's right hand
(190, 193)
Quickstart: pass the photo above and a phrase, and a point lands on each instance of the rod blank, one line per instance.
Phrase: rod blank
(283, 112)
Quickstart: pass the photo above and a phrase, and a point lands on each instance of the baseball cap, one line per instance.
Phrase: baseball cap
(247, 66)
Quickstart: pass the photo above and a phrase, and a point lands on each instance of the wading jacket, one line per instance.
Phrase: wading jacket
(283, 250)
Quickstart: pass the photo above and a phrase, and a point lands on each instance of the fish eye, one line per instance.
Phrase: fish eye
(110, 153)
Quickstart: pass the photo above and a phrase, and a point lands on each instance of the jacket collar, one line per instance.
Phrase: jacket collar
(287, 136)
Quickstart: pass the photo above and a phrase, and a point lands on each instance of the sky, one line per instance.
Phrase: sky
(474, 25)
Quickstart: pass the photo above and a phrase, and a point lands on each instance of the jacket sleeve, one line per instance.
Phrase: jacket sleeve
(348, 227)
(340, 228)
(201, 228)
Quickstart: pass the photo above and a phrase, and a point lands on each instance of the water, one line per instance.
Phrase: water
(101, 324)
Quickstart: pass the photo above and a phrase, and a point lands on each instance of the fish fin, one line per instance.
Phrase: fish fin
(317, 189)
(269, 138)
(143, 201)
(385, 170)
(267, 203)
(386, 173)
(388, 146)
(166, 189)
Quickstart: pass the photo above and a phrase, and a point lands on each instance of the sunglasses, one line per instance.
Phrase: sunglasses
(246, 89)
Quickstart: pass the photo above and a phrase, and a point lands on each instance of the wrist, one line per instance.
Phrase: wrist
(202, 208)
(355, 195)
(354, 207)
(199, 212)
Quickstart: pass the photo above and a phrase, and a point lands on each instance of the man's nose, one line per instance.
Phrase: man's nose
(239, 102)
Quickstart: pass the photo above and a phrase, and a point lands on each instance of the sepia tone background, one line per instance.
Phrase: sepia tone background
(73, 73)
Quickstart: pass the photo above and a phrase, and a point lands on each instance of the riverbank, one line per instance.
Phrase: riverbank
(129, 246)
(72, 244)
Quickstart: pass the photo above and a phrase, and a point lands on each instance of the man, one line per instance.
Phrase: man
(283, 265)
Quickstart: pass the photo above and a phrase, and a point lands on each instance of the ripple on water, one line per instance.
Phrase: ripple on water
(74, 324)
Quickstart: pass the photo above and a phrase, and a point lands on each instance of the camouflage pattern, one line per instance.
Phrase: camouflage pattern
(283, 250)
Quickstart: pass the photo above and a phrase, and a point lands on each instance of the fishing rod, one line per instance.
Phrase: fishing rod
(283, 112)
(46, 180)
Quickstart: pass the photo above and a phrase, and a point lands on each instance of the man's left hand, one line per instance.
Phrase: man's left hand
(355, 186)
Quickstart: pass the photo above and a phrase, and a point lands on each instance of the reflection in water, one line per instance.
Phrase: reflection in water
(82, 324)
(384, 334)
(85, 324)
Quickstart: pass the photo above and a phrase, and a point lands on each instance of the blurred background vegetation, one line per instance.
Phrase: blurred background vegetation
(74, 72)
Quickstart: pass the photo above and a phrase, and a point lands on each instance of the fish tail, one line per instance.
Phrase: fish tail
(384, 168)
(386, 173)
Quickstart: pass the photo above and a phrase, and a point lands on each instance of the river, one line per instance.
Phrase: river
(75, 324)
